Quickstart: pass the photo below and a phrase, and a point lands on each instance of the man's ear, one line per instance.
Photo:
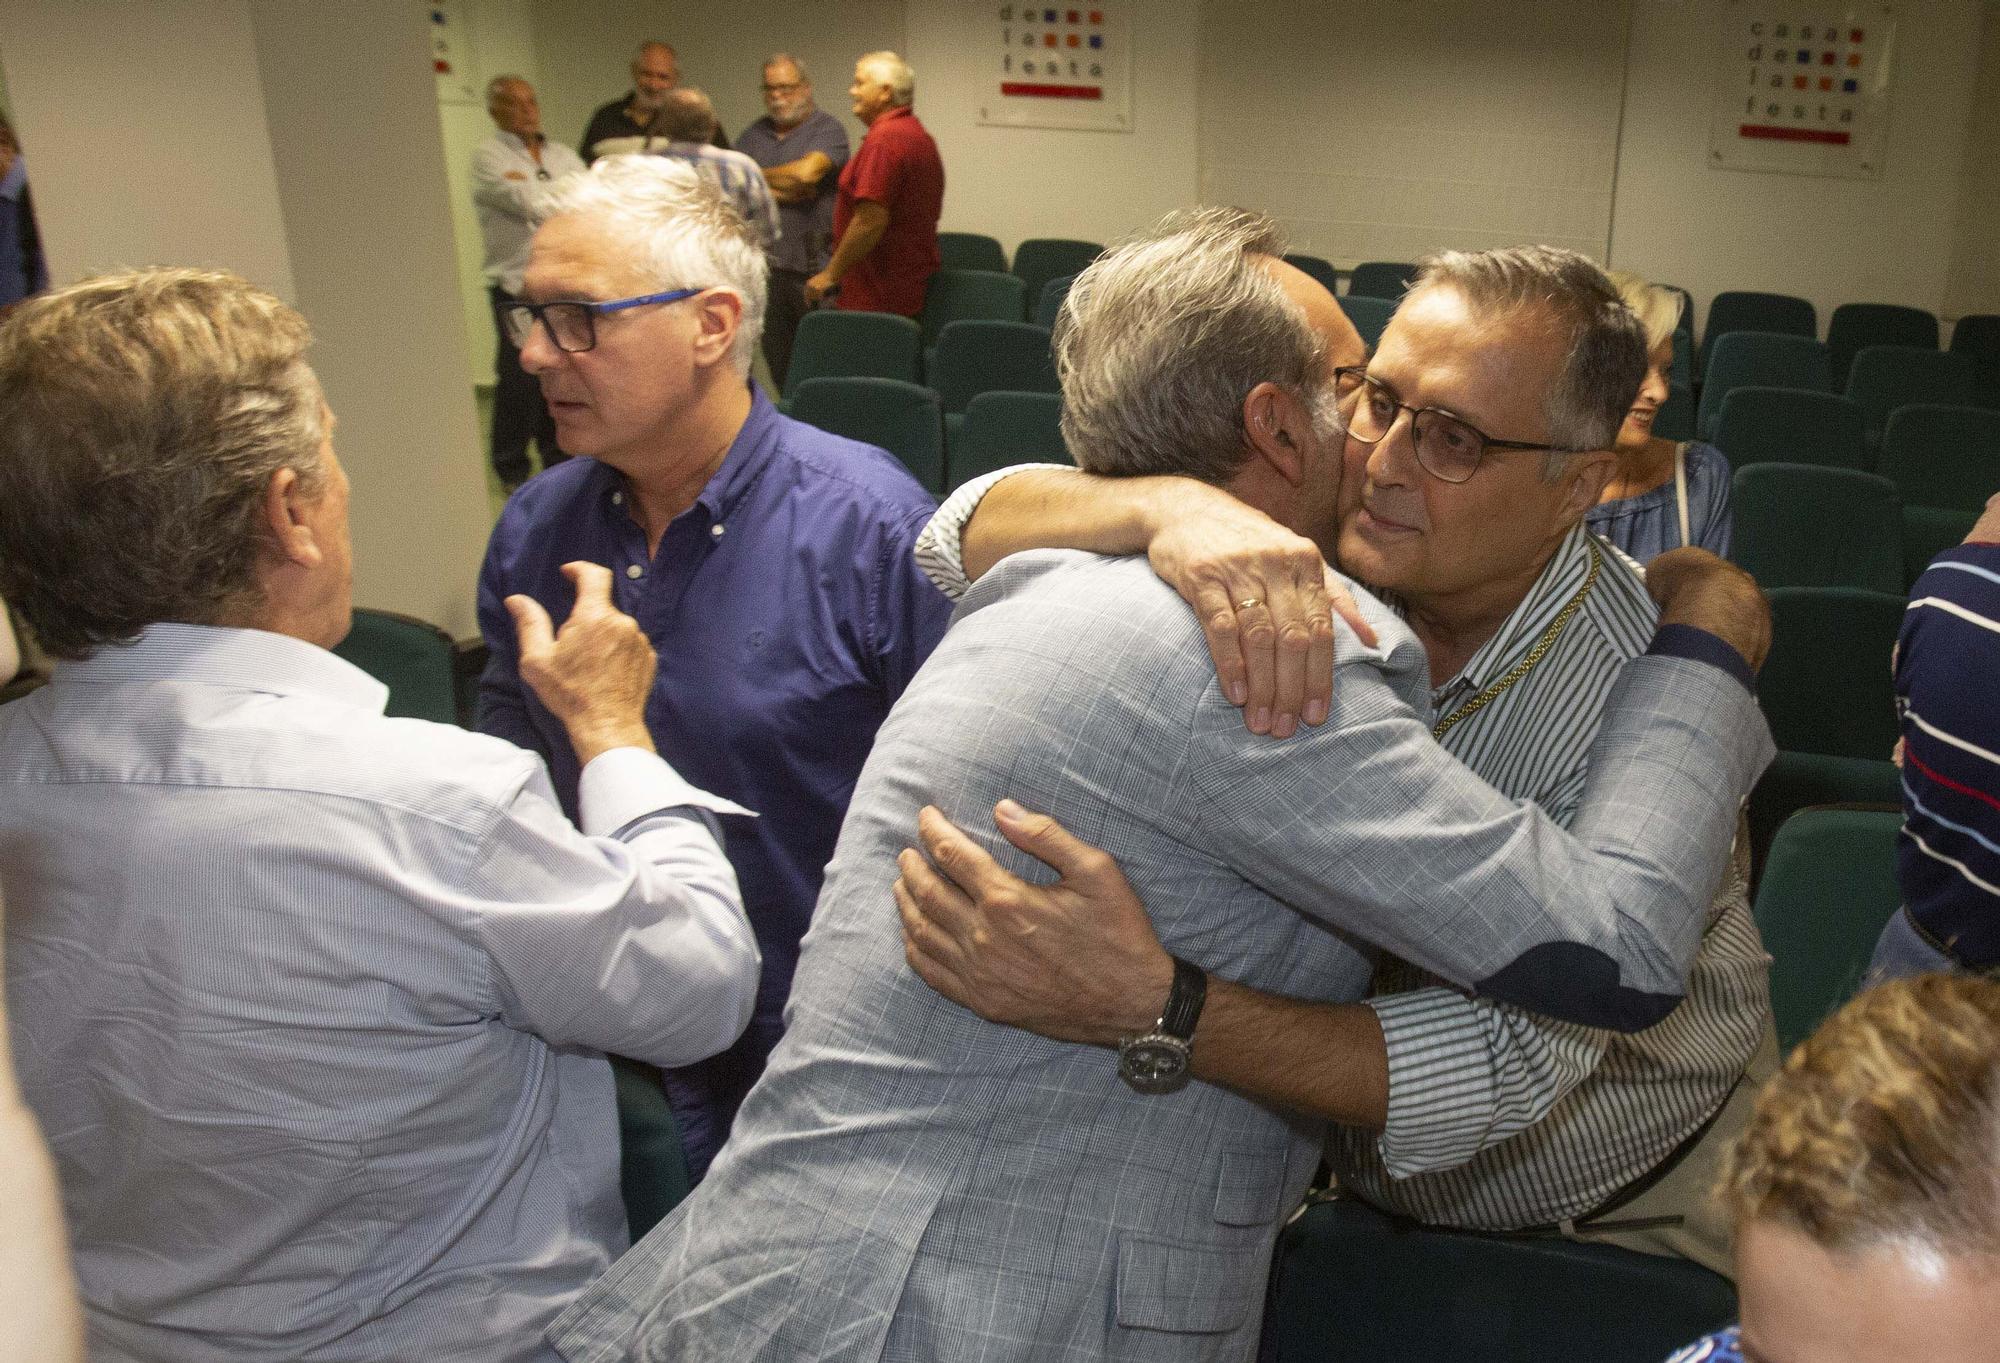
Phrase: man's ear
(1585, 480)
(285, 506)
(1278, 429)
(720, 313)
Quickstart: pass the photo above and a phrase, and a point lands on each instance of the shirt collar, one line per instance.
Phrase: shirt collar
(519, 142)
(1559, 581)
(732, 481)
(236, 659)
(896, 111)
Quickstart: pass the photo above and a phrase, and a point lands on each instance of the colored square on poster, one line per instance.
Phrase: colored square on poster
(1097, 17)
(1799, 82)
(1848, 87)
(1781, 56)
(1804, 56)
(1048, 16)
(1854, 59)
(1073, 17)
(1097, 40)
(1826, 59)
(1826, 82)
(1854, 36)
(1074, 40)
(1048, 40)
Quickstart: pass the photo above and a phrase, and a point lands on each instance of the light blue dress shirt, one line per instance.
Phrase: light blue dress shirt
(309, 1001)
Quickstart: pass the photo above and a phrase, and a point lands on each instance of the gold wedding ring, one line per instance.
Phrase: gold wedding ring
(1247, 602)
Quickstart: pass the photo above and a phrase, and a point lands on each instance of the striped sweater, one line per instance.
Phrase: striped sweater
(1948, 693)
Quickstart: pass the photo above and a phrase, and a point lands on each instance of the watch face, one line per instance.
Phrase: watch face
(1154, 1064)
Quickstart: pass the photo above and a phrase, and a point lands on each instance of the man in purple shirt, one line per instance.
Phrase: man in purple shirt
(770, 563)
(801, 148)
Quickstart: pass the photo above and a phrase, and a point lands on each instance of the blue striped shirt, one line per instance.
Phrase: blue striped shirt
(1947, 663)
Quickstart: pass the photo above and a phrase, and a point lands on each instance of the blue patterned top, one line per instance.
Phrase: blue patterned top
(1725, 1346)
(1649, 524)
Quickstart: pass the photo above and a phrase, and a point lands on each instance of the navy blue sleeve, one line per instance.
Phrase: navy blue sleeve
(1698, 645)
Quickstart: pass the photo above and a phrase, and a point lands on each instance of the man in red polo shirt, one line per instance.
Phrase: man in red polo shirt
(885, 214)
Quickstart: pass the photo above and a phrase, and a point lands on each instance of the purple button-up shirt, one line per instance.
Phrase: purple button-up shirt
(788, 615)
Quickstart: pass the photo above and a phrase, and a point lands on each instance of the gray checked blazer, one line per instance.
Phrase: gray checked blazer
(909, 1182)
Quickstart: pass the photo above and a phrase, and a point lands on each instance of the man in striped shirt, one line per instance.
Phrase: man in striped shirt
(1948, 859)
(687, 120)
(1451, 1110)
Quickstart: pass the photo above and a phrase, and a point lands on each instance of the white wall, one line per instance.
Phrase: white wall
(1045, 182)
(177, 168)
(297, 145)
(1974, 281)
(1382, 132)
(1831, 240)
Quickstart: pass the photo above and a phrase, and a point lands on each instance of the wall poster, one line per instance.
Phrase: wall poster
(1802, 88)
(1057, 66)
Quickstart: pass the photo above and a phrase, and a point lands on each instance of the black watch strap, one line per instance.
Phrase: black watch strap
(1184, 1000)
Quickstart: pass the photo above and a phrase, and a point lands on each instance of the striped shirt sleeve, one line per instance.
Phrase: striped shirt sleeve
(940, 550)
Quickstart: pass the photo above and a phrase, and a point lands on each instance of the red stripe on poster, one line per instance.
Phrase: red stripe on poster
(1010, 87)
(1773, 134)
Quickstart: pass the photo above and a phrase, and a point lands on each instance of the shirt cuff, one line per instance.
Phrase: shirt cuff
(940, 549)
(1698, 645)
(625, 785)
(1441, 1100)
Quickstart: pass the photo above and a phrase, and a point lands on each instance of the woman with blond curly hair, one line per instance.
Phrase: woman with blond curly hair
(1866, 1187)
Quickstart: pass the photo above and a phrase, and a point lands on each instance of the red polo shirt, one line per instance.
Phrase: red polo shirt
(898, 167)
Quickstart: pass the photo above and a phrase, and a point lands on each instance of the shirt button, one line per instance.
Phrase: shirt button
(715, 531)
(617, 499)
(634, 570)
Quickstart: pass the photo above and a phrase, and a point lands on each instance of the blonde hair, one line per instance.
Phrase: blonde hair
(1658, 309)
(1883, 1128)
(142, 417)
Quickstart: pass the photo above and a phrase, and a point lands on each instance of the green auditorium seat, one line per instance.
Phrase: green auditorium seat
(1675, 419)
(652, 1167)
(1759, 359)
(902, 418)
(1369, 315)
(1051, 301)
(1351, 1285)
(1389, 279)
(1856, 326)
(967, 295)
(1321, 270)
(1977, 337)
(1002, 428)
(1790, 426)
(1040, 259)
(979, 357)
(848, 345)
(1885, 377)
(1827, 692)
(1739, 310)
(1942, 456)
(1829, 885)
(970, 251)
(1799, 526)
(413, 658)
(1683, 370)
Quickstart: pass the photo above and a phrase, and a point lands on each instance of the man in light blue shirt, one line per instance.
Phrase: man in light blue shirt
(310, 1002)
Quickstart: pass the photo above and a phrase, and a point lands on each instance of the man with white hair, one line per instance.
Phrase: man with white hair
(509, 170)
(885, 211)
(769, 562)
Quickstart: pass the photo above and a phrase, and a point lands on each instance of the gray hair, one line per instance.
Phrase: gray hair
(683, 231)
(787, 59)
(1565, 292)
(500, 83)
(142, 417)
(1162, 338)
(893, 72)
(686, 115)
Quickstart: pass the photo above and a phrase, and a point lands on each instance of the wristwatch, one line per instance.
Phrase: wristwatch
(1158, 1061)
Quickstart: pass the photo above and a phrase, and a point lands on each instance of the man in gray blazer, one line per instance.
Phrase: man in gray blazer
(909, 1182)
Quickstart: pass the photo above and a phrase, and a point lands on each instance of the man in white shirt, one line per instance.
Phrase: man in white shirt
(310, 1002)
(508, 173)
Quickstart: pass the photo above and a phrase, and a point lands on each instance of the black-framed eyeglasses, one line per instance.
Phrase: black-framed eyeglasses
(573, 325)
(1448, 447)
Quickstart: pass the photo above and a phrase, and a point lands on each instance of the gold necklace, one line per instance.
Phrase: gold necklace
(1535, 654)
